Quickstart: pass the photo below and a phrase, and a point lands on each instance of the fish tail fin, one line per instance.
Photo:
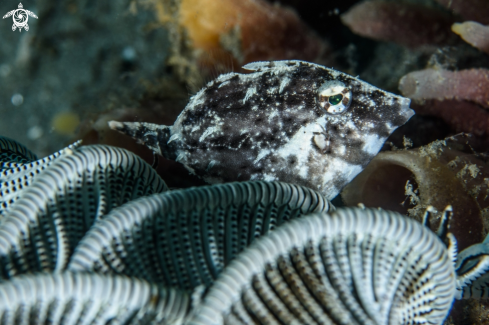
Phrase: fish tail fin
(153, 136)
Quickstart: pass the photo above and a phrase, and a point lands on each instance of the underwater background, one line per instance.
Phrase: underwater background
(84, 63)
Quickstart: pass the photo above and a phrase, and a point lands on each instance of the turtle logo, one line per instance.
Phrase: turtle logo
(20, 17)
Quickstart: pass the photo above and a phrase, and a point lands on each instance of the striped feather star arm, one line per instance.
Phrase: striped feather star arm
(185, 238)
(77, 298)
(472, 268)
(12, 151)
(41, 229)
(353, 266)
(474, 282)
(17, 172)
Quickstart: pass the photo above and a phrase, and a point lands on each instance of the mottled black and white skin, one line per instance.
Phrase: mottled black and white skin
(292, 121)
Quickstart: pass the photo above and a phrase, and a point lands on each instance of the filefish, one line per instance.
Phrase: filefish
(291, 121)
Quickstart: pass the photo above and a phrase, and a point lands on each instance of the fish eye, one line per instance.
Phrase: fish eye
(334, 97)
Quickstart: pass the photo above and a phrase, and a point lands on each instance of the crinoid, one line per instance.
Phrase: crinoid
(472, 269)
(185, 238)
(12, 151)
(353, 266)
(77, 298)
(41, 229)
(250, 252)
(18, 167)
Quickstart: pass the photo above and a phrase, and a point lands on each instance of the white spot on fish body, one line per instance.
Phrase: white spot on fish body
(198, 99)
(300, 146)
(261, 155)
(272, 90)
(269, 178)
(212, 163)
(223, 84)
(389, 127)
(336, 166)
(372, 143)
(181, 157)
(208, 132)
(250, 92)
(175, 136)
(341, 150)
(272, 115)
(283, 83)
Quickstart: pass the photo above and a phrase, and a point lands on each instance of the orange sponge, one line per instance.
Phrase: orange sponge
(249, 30)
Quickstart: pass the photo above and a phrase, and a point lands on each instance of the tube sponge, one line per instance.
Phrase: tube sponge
(471, 85)
(406, 24)
(473, 33)
(252, 30)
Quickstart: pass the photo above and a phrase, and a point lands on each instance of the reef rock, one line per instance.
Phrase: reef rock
(439, 174)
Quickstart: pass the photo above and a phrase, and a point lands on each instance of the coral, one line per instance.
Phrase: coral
(471, 85)
(437, 175)
(473, 33)
(477, 10)
(406, 24)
